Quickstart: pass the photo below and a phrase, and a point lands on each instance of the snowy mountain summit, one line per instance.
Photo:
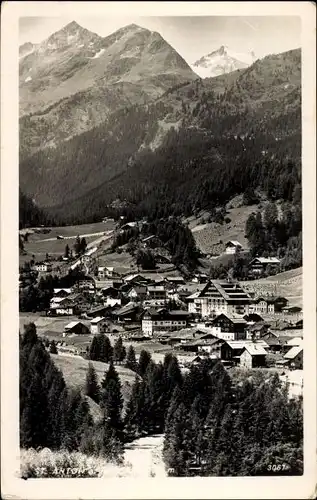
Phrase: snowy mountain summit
(222, 60)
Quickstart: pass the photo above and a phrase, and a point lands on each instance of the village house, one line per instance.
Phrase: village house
(105, 272)
(233, 247)
(253, 356)
(203, 345)
(219, 296)
(200, 278)
(111, 296)
(98, 325)
(114, 282)
(137, 292)
(294, 357)
(232, 349)
(175, 280)
(178, 294)
(135, 279)
(262, 306)
(61, 306)
(275, 343)
(156, 292)
(43, 267)
(268, 305)
(261, 265)
(130, 313)
(291, 310)
(257, 330)
(80, 301)
(75, 327)
(162, 320)
(97, 311)
(231, 323)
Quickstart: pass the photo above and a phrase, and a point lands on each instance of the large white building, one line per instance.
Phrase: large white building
(219, 297)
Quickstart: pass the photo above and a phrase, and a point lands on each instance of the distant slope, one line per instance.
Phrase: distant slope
(199, 143)
(288, 284)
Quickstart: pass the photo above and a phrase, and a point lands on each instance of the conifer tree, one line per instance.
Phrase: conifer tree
(67, 251)
(131, 362)
(94, 349)
(111, 398)
(53, 348)
(144, 360)
(29, 336)
(92, 387)
(134, 415)
(175, 449)
(77, 245)
(119, 351)
(106, 349)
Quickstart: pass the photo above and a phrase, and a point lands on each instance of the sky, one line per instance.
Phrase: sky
(192, 37)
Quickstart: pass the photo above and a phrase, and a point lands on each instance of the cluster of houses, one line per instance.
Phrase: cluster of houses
(216, 318)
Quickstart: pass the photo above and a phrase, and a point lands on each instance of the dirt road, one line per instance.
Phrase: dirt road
(144, 456)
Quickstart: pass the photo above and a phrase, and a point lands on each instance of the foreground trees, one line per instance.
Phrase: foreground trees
(213, 426)
(53, 416)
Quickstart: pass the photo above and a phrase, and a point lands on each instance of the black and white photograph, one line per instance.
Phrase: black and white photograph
(161, 248)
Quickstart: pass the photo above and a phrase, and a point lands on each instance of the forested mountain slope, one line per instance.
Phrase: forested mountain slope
(194, 147)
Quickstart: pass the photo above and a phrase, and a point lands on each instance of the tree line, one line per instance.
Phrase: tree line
(271, 234)
(212, 425)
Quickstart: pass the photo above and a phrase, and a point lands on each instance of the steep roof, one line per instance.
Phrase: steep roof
(241, 344)
(230, 292)
(292, 353)
(255, 349)
(72, 324)
(97, 320)
(266, 260)
(295, 341)
(156, 288)
(234, 243)
(234, 318)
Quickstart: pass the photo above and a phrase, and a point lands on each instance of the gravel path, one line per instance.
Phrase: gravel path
(145, 457)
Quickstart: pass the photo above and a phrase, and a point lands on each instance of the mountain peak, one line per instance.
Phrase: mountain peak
(222, 60)
(72, 26)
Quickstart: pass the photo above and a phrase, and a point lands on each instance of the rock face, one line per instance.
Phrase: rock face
(73, 80)
(223, 60)
(74, 60)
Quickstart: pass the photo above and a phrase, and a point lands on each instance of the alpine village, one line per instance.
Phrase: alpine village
(160, 278)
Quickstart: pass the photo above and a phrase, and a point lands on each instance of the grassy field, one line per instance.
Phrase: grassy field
(44, 323)
(70, 231)
(74, 370)
(41, 242)
(287, 284)
(122, 262)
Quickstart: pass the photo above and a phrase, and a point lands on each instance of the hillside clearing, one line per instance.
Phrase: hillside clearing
(212, 237)
(74, 370)
(287, 284)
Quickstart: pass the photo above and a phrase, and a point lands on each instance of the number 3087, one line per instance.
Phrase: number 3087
(277, 467)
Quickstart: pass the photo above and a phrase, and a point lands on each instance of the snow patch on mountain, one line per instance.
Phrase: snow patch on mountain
(223, 60)
(28, 79)
(98, 54)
